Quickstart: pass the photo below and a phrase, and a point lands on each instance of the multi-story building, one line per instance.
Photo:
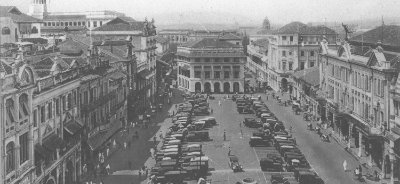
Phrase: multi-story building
(177, 36)
(257, 59)
(56, 24)
(143, 39)
(294, 47)
(356, 80)
(15, 26)
(211, 65)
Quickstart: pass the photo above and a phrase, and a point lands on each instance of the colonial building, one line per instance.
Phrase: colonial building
(211, 65)
(177, 36)
(142, 36)
(294, 47)
(356, 80)
(257, 60)
(56, 24)
(15, 26)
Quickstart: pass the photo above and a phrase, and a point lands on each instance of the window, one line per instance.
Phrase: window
(10, 156)
(236, 74)
(290, 65)
(302, 65)
(10, 112)
(5, 31)
(50, 110)
(64, 103)
(311, 63)
(283, 53)
(283, 37)
(301, 53)
(197, 74)
(79, 23)
(45, 24)
(42, 114)
(57, 23)
(312, 53)
(283, 65)
(70, 101)
(23, 106)
(88, 24)
(236, 60)
(217, 74)
(101, 23)
(24, 148)
(226, 74)
(207, 60)
(70, 23)
(291, 38)
(83, 23)
(75, 24)
(58, 107)
(53, 24)
(207, 74)
(66, 24)
(62, 23)
(396, 107)
(226, 59)
(35, 118)
(94, 23)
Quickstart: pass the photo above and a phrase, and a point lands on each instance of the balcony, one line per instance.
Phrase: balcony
(98, 102)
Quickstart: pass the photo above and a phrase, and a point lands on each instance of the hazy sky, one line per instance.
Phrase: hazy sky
(280, 11)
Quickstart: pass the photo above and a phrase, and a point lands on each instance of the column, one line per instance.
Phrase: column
(63, 166)
(392, 160)
(359, 144)
(369, 155)
(349, 136)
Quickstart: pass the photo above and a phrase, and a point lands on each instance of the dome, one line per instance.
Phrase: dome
(266, 24)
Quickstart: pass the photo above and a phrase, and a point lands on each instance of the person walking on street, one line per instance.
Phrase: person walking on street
(125, 145)
(161, 135)
(108, 151)
(229, 151)
(114, 144)
(154, 140)
(345, 166)
(152, 152)
(219, 102)
(108, 169)
(224, 135)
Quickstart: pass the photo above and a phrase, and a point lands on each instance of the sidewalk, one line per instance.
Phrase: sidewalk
(366, 169)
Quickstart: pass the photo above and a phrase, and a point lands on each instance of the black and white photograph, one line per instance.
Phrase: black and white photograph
(200, 92)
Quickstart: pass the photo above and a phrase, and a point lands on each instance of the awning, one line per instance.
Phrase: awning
(53, 142)
(185, 67)
(72, 127)
(42, 151)
(144, 74)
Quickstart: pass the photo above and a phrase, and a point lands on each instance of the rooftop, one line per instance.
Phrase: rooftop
(387, 34)
(309, 75)
(64, 17)
(120, 24)
(161, 39)
(16, 15)
(230, 36)
(261, 42)
(300, 28)
(210, 43)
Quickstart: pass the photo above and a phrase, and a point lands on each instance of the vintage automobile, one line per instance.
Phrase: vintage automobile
(198, 136)
(252, 122)
(234, 163)
(210, 121)
(258, 141)
(268, 164)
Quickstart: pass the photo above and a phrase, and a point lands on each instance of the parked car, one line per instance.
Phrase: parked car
(252, 122)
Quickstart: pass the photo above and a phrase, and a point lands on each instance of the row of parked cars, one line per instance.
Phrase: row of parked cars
(278, 150)
(181, 156)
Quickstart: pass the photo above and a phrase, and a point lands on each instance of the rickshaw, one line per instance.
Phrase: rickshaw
(234, 164)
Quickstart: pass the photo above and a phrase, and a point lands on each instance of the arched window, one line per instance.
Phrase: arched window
(23, 106)
(10, 118)
(10, 157)
(5, 31)
(34, 30)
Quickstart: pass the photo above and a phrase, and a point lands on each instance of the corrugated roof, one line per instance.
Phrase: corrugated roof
(16, 15)
(387, 34)
(309, 75)
(210, 43)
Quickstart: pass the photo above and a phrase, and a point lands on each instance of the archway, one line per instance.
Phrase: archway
(284, 84)
(207, 87)
(217, 88)
(197, 87)
(236, 87)
(227, 87)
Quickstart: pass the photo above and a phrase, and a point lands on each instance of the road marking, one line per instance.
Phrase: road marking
(258, 159)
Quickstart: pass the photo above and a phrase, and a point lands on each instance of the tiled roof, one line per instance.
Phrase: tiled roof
(230, 36)
(65, 17)
(388, 35)
(70, 46)
(309, 75)
(161, 39)
(128, 19)
(210, 43)
(300, 28)
(16, 15)
(119, 24)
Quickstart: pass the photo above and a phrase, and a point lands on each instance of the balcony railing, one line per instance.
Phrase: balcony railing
(98, 102)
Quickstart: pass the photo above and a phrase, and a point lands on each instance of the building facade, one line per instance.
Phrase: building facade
(356, 81)
(211, 65)
(257, 60)
(142, 36)
(294, 47)
(177, 36)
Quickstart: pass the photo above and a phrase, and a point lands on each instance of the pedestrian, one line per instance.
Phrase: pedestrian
(224, 135)
(114, 144)
(229, 151)
(266, 97)
(357, 173)
(161, 134)
(345, 166)
(108, 151)
(108, 169)
(219, 102)
(99, 156)
(290, 129)
(212, 111)
(125, 145)
(154, 140)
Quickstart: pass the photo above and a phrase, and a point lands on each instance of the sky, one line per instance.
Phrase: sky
(279, 11)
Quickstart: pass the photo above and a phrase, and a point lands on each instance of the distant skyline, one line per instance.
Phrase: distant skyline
(278, 11)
